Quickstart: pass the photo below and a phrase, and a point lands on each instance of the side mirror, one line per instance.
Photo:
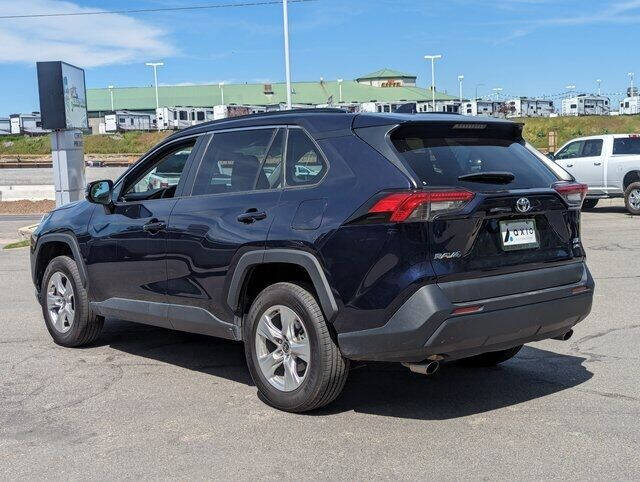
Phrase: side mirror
(99, 192)
(551, 156)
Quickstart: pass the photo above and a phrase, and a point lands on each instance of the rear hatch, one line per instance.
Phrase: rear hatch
(500, 209)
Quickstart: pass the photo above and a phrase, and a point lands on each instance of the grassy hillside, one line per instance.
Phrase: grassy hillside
(126, 143)
(536, 130)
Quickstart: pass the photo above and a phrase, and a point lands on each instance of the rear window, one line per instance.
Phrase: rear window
(439, 155)
(626, 145)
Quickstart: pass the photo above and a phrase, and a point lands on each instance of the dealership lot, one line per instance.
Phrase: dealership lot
(145, 402)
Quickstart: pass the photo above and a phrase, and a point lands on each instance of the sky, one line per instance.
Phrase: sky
(525, 47)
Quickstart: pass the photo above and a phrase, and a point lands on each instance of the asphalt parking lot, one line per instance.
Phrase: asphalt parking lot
(150, 403)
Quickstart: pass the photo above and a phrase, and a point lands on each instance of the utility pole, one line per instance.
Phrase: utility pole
(287, 65)
(460, 79)
(433, 59)
(110, 87)
(477, 85)
(599, 81)
(340, 87)
(631, 74)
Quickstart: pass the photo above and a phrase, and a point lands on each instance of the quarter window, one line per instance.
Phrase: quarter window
(305, 164)
(242, 160)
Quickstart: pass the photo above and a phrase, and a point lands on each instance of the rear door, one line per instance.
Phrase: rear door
(515, 221)
(232, 203)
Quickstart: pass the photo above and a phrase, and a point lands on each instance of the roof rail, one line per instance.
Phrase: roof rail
(324, 110)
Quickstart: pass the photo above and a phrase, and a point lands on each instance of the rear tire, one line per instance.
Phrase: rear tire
(284, 327)
(491, 358)
(632, 198)
(65, 305)
(589, 204)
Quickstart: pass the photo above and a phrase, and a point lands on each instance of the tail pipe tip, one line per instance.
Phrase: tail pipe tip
(564, 336)
(427, 368)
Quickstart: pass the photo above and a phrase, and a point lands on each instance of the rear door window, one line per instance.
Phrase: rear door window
(439, 156)
(305, 164)
(243, 160)
(626, 145)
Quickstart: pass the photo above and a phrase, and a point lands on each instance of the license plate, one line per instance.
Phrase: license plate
(518, 234)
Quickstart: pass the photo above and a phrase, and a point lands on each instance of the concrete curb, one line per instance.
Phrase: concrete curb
(26, 231)
(36, 192)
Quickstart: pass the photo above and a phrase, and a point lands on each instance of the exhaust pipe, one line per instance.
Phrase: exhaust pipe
(427, 368)
(564, 336)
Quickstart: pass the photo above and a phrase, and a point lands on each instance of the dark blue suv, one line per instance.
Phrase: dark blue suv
(317, 237)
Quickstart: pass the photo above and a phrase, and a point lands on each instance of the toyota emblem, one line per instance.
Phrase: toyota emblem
(523, 205)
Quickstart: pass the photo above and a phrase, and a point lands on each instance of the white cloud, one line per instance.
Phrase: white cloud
(86, 41)
(621, 13)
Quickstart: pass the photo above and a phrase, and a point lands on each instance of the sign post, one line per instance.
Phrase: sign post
(63, 106)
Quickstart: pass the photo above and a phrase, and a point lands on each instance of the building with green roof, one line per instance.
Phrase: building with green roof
(383, 86)
(387, 78)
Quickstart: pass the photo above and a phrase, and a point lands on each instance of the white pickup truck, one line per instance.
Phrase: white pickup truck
(609, 164)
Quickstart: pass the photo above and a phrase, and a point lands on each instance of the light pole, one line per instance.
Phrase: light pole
(110, 87)
(599, 81)
(478, 85)
(340, 88)
(287, 64)
(155, 66)
(433, 59)
(221, 85)
(570, 88)
(460, 79)
(631, 74)
(497, 91)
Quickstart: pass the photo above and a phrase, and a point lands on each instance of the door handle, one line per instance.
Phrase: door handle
(154, 226)
(597, 163)
(251, 216)
(569, 165)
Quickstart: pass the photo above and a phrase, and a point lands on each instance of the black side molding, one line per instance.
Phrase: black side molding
(191, 319)
(292, 256)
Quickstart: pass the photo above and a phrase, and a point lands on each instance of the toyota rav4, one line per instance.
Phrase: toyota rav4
(317, 237)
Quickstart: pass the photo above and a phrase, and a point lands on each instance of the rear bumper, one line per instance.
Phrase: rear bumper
(425, 324)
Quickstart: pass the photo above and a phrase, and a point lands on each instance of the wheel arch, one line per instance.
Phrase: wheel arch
(299, 259)
(56, 244)
(629, 178)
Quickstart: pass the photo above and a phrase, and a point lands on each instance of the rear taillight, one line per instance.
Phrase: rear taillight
(420, 205)
(572, 192)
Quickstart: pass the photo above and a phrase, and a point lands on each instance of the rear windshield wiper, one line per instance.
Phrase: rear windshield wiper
(493, 177)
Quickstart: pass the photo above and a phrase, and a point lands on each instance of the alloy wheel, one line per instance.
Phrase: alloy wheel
(634, 199)
(60, 302)
(282, 348)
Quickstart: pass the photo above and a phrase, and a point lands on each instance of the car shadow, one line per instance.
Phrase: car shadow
(387, 389)
(609, 209)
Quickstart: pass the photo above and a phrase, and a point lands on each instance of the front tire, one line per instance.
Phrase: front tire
(491, 358)
(291, 356)
(65, 305)
(632, 198)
